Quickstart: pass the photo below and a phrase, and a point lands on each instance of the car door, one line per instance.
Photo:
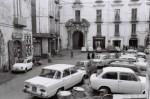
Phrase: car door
(67, 79)
(129, 83)
(76, 76)
(110, 79)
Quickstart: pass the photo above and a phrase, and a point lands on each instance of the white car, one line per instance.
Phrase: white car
(53, 79)
(118, 80)
(23, 65)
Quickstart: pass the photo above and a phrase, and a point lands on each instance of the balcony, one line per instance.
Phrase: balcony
(99, 21)
(117, 20)
(134, 20)
(20, 22)
(117, 1)
(99, 1)
(134, 0)
(117, 34)
(133, 35)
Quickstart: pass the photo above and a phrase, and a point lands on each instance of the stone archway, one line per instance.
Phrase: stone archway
(77, 29)
(77, 40)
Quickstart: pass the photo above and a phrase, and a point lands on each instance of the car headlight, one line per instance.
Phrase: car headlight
(26, 86)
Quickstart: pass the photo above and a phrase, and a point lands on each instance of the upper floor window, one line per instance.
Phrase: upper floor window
(117, 14)
(99, 15)
(77, 15)
(116, 29)
(133, 28)
(134, 14)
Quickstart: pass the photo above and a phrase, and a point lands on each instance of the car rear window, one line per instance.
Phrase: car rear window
(128, 77)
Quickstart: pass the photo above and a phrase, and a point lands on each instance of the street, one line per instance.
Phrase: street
(13, 89)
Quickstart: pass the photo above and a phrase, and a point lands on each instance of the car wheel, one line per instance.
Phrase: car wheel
(60, 89)
(26, 70)
(104, 90)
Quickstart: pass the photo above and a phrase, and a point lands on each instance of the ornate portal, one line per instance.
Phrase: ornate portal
(77, 33)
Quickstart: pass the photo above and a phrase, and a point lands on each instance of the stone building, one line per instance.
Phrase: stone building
(45, 23)
(99, 23)
(15, 31)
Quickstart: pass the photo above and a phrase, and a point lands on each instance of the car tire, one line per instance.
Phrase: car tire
(104, 90)
(60, 89)
(26, 70)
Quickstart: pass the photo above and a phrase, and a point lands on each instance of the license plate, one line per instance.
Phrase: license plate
(34, 89)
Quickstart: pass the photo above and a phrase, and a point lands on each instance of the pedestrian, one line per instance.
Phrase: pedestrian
(93, 55)
(49, 58)
(71, 54)
(88, 55)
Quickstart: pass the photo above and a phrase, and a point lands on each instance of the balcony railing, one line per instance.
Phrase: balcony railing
(99, 21)
(133, 35)
(134, 19)
(20, 22)
(117, 1)
(99, 1)
(117, 34)
(134, 0)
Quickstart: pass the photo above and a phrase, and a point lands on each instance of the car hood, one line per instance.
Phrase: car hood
(42, 81)
(18, 64)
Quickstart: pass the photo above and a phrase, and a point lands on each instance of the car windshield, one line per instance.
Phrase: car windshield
(20, 61)
(50, 73)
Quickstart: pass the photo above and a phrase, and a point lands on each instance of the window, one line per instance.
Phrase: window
(128, 76)
(66, 73)
(99, 15)
(98, 28)
(73, 70)
(110, 75)
(117, 14)
(77, 15)
(133, 29)
(116, 29)
(134, 14)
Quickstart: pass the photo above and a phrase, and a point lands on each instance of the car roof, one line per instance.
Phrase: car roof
(59, 67)
(118, 69)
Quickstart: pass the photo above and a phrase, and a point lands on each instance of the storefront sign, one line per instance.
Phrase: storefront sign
(17, 35)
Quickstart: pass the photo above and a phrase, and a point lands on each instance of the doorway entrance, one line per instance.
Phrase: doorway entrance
(77, 40)
(133, 43)
(116, 43)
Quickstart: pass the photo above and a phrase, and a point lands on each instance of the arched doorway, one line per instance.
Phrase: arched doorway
(77, 38)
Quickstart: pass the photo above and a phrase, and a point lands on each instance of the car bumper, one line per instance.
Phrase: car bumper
(35, 94)
(17, 70)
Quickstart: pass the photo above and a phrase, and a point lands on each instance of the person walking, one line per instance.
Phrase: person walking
(88, 55)
(71, 54)
(93, 55)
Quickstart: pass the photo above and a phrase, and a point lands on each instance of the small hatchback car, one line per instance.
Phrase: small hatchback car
(118, 80)
(53, 79)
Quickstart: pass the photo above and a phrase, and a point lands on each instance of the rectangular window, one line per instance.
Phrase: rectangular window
(116, 29)
(134, 14)
(110, 75)
(77, 15)
(99, 15)
(117, 14)
(133, 29)
(98, 28)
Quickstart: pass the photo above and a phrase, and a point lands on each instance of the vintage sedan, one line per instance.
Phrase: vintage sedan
(23, 65)
(118, 80)
(53, 79)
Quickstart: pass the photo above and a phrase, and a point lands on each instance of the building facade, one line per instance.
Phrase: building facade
(15, 31)
(45, 23)
(103, 23)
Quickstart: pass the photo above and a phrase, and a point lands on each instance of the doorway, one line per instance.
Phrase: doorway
(133, 43)
(77, 40)
(116, 43)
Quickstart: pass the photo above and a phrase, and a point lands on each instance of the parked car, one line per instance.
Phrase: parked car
(147, 49)
(118, 80)
(82, 64)
(128, 57)
(53, 79)
(141, 55)
(23, 65)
